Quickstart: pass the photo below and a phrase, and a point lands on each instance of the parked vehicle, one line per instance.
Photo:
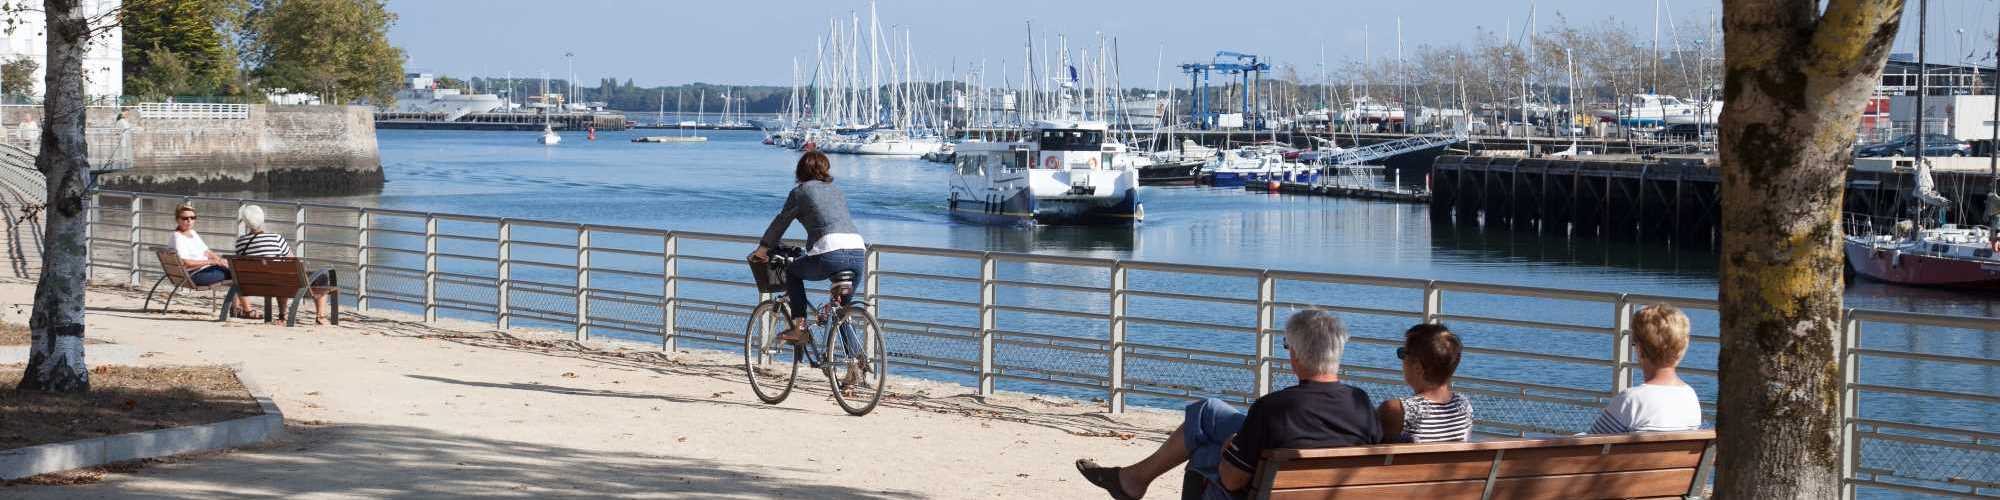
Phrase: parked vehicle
(1934, 145)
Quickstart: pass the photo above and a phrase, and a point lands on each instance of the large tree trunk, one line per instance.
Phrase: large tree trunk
(56, 361)
(1797, 78)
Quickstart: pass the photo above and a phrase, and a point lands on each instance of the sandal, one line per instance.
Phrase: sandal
(795, 336)
(246, 314)
(1103, 477)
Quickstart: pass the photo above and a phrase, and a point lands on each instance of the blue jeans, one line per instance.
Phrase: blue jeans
(209, 275)
(821, 267)
(1205, 425)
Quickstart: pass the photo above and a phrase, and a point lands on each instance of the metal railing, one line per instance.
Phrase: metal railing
(193, 111)
(1539, 361)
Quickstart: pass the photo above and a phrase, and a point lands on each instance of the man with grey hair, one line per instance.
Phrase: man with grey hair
(1224, 445)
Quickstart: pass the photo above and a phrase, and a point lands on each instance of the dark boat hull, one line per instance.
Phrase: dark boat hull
(1171, 173)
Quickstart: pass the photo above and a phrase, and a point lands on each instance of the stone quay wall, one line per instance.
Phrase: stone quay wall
(271, 149)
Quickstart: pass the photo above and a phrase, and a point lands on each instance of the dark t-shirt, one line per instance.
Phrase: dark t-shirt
(1308, 415)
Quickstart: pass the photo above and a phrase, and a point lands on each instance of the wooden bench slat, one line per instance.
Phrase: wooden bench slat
(1409, 449)
(1635, 484)
(1593, 459)
(1354, 471)
(1446, 489)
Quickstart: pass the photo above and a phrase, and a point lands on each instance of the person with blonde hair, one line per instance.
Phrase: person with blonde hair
(204, 267)
(1663, 403)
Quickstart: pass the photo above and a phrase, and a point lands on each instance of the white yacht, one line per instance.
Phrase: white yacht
(1654, 110)
(892, 143)
(1062, 172)
(422, 96)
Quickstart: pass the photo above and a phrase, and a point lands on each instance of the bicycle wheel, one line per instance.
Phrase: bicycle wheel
(771, 364)
(857, 362)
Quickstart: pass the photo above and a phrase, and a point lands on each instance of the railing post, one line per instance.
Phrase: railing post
(1117, 338)
(582, 283)
(986, 272)
(1433, 302)
(430, 267)
(869, 266)
(503, 311)
(299, 231)
(670, 292)
(363, 220)
(1621, 344)
(90, 217)
(1267, 308)
(1850, 371)
(133, 238)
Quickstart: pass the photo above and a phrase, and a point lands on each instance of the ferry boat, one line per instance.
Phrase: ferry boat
(1062, 173)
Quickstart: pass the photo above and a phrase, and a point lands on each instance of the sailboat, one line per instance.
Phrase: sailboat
(1911, 252)
(549, 136)
(681, 138)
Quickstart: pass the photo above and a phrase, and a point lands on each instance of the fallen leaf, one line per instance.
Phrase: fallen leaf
(681, 439)
(1125, 436)
(1023, 475)
(569, 374)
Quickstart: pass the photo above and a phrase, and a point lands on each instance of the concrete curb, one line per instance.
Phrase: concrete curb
(42, 459)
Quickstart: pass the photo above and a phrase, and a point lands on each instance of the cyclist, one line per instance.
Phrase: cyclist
(832, 243)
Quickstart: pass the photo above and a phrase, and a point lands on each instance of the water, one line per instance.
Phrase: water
(733, 184)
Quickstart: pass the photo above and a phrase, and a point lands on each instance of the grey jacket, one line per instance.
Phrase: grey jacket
(818, 206)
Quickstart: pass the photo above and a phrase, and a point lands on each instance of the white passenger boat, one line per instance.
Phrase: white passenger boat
(890, 143)
(1062, 172)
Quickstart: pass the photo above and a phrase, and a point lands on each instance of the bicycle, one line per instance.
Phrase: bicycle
(856, 370)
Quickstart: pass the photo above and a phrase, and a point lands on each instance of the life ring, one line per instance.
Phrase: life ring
(1049, 162)
(1093, 163)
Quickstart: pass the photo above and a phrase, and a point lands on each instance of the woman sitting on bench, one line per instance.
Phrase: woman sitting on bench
(253, 241)
(1435, 413)
(203, 266)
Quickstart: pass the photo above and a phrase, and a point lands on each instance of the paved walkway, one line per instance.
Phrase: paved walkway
(382, 408)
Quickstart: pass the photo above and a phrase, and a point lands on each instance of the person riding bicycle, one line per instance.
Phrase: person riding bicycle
(832, 242)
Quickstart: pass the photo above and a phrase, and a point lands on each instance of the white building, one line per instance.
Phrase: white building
(103, 60)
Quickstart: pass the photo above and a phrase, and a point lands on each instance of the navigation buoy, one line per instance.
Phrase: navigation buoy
(1275, 186)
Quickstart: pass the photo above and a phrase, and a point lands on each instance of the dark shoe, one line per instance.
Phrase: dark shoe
(1103, 477)
(795, 336)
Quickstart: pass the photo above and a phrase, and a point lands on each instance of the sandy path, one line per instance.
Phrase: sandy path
(381, 408)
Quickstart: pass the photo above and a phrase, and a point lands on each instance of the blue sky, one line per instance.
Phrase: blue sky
(754, 41)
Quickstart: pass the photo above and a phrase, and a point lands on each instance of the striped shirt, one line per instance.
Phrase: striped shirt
(1650, 408)
(1427, 422)
(262, 245)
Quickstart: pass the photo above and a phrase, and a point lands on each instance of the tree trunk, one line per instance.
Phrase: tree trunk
(1797, 78)
(55, 363)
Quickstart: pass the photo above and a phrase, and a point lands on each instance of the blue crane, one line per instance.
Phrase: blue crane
(1249, 72)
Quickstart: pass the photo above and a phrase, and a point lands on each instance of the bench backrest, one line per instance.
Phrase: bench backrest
(1641, 465)
(171, 264)
(268, 276)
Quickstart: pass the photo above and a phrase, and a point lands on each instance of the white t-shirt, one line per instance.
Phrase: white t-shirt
(1650, 408)
(189, 246)
(837, 241)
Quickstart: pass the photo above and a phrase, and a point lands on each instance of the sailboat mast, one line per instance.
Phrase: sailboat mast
(1923, 73)
(874, 66)
(1993, 148)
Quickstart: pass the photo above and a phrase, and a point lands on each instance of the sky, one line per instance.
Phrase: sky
(753, 42)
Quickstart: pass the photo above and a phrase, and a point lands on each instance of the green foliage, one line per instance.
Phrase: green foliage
(336, 49)
(17, 77)
(178, 47)
(446, 82)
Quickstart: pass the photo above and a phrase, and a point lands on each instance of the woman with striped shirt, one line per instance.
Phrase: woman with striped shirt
(1430, 355)
(253, 241)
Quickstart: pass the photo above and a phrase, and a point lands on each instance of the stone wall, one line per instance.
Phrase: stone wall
(280, 150)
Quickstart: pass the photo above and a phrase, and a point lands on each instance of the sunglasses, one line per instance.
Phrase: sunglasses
(188, 218)
(1402, 353)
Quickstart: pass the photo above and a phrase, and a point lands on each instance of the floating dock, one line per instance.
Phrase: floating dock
(1365, 193)
(500, 121)
(670, 139)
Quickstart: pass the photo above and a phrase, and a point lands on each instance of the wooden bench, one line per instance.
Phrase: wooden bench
(282, 278)
(1639, 465)
(175, 271)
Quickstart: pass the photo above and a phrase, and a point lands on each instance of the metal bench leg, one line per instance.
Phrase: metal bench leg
(227, 301)
(149, 295)
(333, 301)
(292, 316)
(169, 304)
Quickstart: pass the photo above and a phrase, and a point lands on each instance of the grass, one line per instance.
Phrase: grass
(122, 399)
(12, 334)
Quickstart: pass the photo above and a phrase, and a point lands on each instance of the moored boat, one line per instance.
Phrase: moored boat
(1062, 173)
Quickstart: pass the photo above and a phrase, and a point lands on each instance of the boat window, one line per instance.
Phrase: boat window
(1072, 140)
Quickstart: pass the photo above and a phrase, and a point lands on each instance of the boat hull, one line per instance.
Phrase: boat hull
(1170, 173)
(1024, 208)
(1906, 268)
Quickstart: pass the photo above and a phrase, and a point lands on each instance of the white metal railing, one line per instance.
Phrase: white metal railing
(1539, 360)
(193, 111)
